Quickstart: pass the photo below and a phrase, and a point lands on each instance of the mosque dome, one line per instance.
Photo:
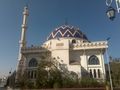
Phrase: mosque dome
(67, 31)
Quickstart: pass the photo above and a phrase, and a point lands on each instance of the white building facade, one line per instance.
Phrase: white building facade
(72, 48)
(69, 46)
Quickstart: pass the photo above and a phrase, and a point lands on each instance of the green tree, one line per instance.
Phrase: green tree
(47, 66)
(24, 82)
(11, 80)
(115, 70)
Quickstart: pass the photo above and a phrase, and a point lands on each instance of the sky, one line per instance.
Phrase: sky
(45, 16)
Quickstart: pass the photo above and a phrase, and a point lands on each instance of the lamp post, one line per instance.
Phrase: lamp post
(111, 12)
(109, 69)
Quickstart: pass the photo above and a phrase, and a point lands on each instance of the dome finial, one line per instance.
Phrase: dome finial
(27, 3)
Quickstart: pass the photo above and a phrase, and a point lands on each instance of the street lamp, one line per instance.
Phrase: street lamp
(109, 69)
(111, 12)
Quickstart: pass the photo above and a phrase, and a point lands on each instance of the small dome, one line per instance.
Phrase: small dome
(67, 31)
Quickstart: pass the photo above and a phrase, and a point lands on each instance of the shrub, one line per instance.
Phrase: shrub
(90, 82)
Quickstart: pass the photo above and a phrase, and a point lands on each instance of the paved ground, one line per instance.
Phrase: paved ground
(81, 89)
(65, 89)
(77, 89)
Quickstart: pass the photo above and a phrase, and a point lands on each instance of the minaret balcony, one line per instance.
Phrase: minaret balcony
(24, 26)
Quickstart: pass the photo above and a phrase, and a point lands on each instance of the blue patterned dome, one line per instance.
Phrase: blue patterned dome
(67, 31)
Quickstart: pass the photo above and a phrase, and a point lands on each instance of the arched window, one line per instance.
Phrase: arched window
(33, 63)
(93, 60)
(94, 73)
(35, 74)
(99, 73)
(32, 75)
(73, 41)
(91, 73)
(28, 74)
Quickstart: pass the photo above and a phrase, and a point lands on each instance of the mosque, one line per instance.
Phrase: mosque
(69, 46)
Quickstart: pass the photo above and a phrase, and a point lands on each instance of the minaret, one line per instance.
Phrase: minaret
(24, 28)
(22, 43)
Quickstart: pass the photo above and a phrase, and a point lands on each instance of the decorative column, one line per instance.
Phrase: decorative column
(103, 65)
